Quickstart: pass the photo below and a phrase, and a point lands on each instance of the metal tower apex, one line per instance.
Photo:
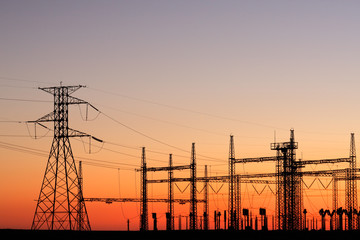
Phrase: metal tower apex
(285, 145)
(69, 89)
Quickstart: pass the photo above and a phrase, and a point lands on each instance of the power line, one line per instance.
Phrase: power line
(187, 110)
(157, 140)
(24, 100)
(165, 121)
(205, 114)
(12, 86)
(12, 135)
(122, 153)
(23, 80)
(106, 163)
(143, 134)
(42, 153)
(107, 149)
(23, 149)
(118, 122)
(11, 121)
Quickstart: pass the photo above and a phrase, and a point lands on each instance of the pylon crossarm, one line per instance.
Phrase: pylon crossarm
(75, 100)
(47, 118)
(77, 133)
(71, 89)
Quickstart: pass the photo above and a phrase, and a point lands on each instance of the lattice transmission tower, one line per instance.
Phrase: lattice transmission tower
(289, 193)
(61, 205)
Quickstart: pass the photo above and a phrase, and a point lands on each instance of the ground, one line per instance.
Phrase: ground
(214, 234)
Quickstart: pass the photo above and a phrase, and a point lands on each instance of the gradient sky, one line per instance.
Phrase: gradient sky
(179, 72)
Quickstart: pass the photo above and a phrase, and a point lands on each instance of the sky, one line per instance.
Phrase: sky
(164, 74)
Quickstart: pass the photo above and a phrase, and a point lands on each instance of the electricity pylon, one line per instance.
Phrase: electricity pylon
(61, 205)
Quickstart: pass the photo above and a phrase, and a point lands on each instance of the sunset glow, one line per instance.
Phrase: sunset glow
(165, 74)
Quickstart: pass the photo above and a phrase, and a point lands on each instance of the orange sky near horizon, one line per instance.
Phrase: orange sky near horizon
(118, 180)
(175, 72)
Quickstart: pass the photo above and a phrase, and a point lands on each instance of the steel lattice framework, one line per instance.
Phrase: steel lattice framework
(61, 205)
(193, 202)
(232, 190)
(144, 219)
(289, 178)
(350, 185)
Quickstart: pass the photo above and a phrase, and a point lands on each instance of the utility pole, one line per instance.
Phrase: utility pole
(60, 205)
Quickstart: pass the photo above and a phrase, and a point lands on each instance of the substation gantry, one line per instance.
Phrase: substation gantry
(144, 200)
(288, 178)
(288, 175)
(170, 169)
(193, 191)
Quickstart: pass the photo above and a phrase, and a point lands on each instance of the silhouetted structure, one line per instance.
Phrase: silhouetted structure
(60, 205)
(193, 199)
(288, 197)
(351, 203)
(290, 213)
(144, 222)
(232, 182)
